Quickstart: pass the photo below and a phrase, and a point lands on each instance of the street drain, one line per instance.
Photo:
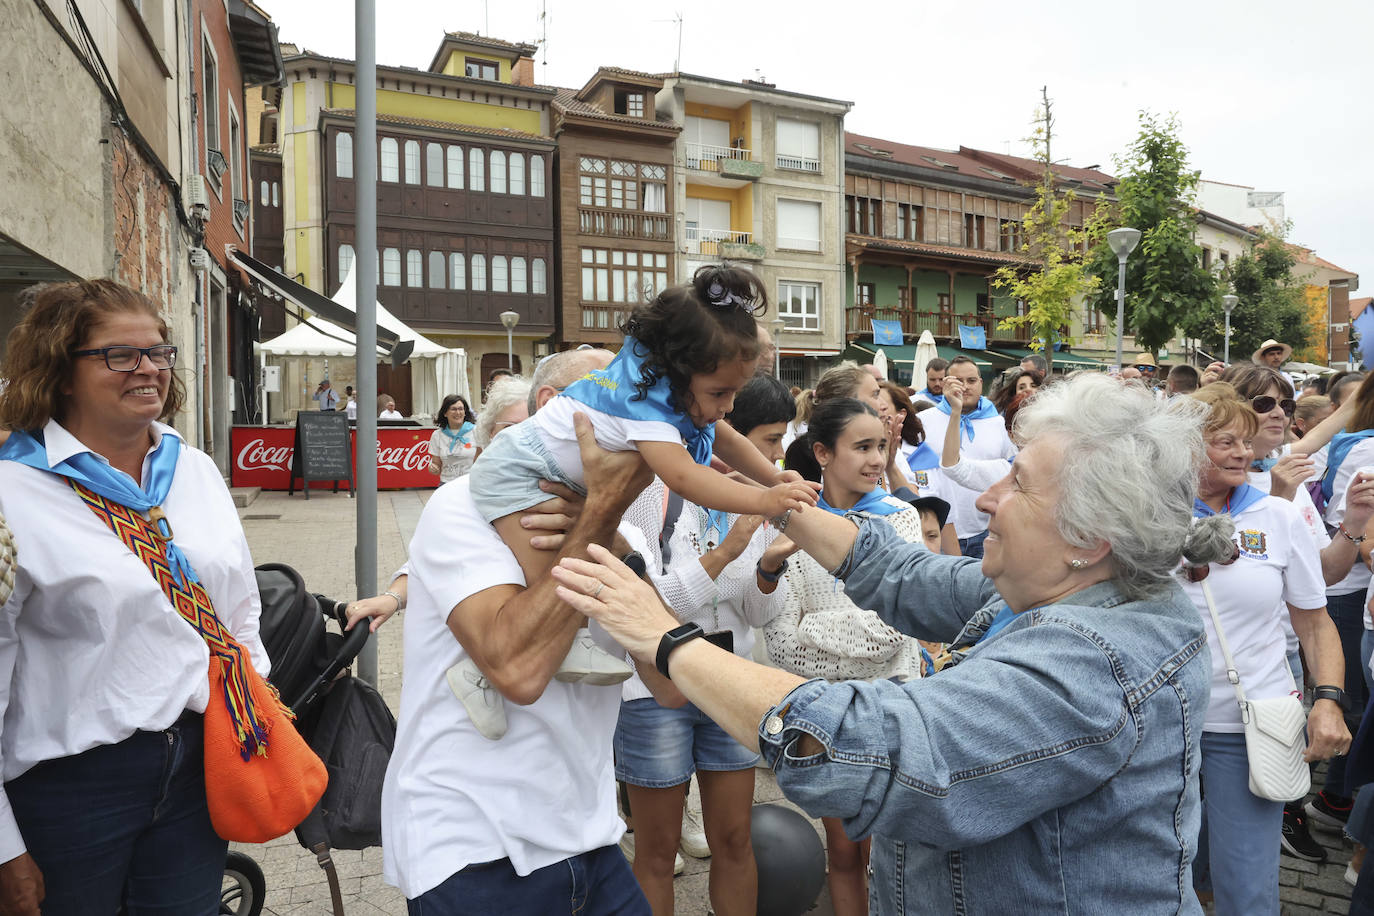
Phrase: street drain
(261, 518)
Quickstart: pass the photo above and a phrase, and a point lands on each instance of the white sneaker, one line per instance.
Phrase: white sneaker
(484, 703)
(693, 834)
(627, 849)
(588, 663)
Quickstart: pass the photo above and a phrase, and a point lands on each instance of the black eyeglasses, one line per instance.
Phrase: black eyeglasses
(127, 359)
(1264, 403)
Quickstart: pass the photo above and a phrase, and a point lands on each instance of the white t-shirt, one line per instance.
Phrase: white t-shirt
(352, 409)
(1360, 455)
(1277, 564)
(1312, 521)
(616, 434)
(545, 791)
(390, 415)
(990, 441)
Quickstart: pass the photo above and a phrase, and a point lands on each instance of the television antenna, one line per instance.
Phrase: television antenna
(677, 18)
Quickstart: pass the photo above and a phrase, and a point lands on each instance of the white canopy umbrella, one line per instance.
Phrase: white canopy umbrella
(926, 350)
(880, 362)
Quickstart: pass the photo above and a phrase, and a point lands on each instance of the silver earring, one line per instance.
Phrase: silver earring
(1078, 563)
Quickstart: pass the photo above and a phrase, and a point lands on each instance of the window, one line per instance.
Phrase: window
(262, 193)
(538, 280)
(391, 267)
(436, 270)
(209, 92)
(455, 167)
(412, 162)
(414, 263)
(592, 191)
(630, 104)
(799, 305)
(655, 196)
(518, 278)
(500, 279)
(910, 222)
(482, 69)
(536, 176)
(343, 154)
(276, 196)
(618, 276)
(1225, 257)
(457, 271)
(479, 272)
(624, 194)
(390, 160)
(1206, 258)
(235, 154)
(498, 172)
(517, 173)
(345, 260)
(799, 224)
(477, 170)
(434, 165)
(799, 145)
(866, 294)
(864, 215)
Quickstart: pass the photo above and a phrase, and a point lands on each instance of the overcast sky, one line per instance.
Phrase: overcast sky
(1270, 94)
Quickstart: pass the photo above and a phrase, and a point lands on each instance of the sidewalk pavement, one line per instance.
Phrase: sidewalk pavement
(317, 537)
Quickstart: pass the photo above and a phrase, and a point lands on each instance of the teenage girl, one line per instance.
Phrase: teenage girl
(685, 356)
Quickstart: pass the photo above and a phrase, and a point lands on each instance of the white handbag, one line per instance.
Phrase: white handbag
(1275, 732)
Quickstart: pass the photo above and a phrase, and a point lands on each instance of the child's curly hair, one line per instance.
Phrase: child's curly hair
(691, 329)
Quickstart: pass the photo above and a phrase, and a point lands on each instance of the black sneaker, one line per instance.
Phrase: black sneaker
(1296, 840)
(1326, 812)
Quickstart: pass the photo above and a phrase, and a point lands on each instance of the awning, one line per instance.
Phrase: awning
(308, 299)
(1061, 358)
(865, 350)
(807, 351)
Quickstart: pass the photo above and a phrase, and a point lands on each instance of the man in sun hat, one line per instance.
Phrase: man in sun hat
(1149, 369)
(1273, 354)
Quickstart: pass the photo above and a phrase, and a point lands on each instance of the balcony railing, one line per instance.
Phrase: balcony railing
(941, 324)
(625, 224)
(709, 241)
(706, 158)
(603, 317)
(799, 163)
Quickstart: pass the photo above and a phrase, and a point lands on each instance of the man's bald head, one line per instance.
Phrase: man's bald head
(766, 352)
(556, 372)
(1130, 374)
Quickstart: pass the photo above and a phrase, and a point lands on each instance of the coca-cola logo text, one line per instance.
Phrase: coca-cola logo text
(414, 458)
(258, 456)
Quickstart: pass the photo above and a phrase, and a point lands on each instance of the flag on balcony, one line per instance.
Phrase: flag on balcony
(887, 333)
(972, 337)
(1364, 328)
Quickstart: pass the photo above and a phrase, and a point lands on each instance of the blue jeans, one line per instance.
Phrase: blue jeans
(1347, 612)
(596, 883)
(124, 824)
(657, 747)
(1238, 847)
(973, 546)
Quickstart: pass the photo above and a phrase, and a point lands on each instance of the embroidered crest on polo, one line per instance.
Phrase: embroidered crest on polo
(1254, 544)
(922, 478)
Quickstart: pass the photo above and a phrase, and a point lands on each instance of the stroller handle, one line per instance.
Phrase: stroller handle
(353, 643)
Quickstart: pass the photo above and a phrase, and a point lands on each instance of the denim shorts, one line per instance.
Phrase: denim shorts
(657, 747)
(506, 476)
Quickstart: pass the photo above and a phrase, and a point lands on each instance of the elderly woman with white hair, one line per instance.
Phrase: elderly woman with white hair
(506, 405)
(1053, 766)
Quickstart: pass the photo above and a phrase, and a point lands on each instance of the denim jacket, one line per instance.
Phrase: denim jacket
(1053, 770)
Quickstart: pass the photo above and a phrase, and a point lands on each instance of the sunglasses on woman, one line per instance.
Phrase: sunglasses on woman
(1264, 403)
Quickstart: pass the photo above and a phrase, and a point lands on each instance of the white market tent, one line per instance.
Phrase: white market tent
(435, 370)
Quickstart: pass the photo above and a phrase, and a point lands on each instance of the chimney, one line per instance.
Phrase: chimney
(522, 72)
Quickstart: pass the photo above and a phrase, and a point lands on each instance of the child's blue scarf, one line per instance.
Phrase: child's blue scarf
(1341, 444)
(876, 502)
(1242, 498)
(982, 412)
(612, 391)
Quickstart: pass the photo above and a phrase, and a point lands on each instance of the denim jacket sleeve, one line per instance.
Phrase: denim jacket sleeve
(923, 594)
(1032, 721)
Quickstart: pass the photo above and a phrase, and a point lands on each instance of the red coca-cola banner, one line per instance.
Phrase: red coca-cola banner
(262, 458)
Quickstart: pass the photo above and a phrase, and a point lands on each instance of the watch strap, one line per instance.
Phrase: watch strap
(671, 640)
(771, 576)
(1333, 693)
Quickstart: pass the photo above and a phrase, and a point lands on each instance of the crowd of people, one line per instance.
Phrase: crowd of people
(980, 637)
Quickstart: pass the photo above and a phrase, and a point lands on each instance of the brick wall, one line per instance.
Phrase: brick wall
(210, 24)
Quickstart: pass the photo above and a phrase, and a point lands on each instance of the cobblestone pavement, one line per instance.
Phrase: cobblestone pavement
(316, 537)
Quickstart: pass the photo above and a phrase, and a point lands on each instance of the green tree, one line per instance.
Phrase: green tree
(1270, 302)
(1166, 285)
(1059, 280)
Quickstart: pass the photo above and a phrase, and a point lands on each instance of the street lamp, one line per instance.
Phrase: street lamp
(1228, 303)
(778, 324)
(510, 320)
(1123, 242)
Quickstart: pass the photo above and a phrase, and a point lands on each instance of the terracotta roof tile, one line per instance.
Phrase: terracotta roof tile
(988, 166)
(272, 148)
(567, 100)
(510, 132)
(948, 251)
(1357, 306)
(474, 38)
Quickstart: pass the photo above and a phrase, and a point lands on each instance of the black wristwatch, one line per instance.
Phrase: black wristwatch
(774, 576)
(671, 640)
(1321, 692)
(635, 560)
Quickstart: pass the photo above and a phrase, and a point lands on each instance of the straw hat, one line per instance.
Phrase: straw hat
(1145, 359)
(1270, 344)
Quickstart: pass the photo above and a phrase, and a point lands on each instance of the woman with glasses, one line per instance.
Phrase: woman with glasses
(1276, 576)
(103, 684)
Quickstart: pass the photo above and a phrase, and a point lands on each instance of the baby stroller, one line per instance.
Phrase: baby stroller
(307, 660)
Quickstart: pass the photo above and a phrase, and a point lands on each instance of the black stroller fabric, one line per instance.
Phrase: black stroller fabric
(292, 630)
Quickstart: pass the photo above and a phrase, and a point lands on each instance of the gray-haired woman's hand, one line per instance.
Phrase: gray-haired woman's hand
(608, 591)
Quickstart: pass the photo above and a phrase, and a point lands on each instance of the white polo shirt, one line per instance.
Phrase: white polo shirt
(990, 440)
(541, 794)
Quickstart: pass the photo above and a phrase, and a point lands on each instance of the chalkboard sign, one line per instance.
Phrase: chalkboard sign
(323, 450)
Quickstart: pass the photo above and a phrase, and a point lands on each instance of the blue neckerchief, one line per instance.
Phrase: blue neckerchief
(462, 433)
(1242, 498)
(717, 521)
(612, 390)
(1263, 464)
(1341, 444)
(932, 397)
(875, 502)
(924, 458)
(982, 412)
(96, 475)
(1004, 617)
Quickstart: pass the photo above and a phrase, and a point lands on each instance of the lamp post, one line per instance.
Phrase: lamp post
(1228, 302)
(778, 324)
(510, 320)
(1122, 242)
